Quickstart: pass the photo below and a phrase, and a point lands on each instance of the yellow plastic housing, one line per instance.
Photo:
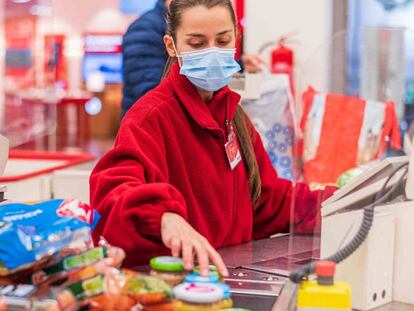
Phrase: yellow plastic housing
(336, 297)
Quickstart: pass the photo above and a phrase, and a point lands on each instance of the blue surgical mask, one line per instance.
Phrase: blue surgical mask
(210, 69)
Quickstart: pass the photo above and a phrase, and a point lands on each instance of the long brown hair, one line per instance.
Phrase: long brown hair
(240, 121)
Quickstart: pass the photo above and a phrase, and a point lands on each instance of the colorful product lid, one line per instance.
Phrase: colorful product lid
(197, 278)
(199, 293)
(226, 289)
(212, 270)
(167, 264)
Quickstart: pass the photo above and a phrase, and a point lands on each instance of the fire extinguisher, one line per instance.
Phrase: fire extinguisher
(283, 61)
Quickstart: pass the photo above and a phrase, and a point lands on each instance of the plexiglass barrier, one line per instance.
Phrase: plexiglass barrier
(30, 55)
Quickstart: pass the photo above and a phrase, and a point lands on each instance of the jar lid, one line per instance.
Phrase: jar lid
(199, 292)
(212, 269)
(197, 278)
(226, 290)
(167, 264)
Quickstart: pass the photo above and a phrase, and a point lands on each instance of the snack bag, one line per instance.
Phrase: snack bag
(342, 132)
(31, 233)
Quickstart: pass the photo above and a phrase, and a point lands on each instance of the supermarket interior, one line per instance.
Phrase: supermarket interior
(207, 155)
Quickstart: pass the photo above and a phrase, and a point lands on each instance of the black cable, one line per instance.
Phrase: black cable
(301, 273)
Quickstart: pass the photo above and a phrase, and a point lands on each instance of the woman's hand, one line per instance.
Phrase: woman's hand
(181, 238)
(253, 63)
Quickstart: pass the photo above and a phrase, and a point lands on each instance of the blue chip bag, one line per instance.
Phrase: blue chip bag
(30, 232)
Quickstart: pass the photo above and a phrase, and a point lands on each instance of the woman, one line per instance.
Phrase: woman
(144, 55)
(189, 172)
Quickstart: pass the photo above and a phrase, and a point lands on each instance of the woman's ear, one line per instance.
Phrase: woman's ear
(169, 45)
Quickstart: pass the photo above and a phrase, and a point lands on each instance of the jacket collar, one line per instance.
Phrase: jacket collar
(195, 105)
(161, 7)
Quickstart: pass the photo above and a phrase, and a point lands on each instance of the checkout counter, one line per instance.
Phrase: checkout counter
(259, 270)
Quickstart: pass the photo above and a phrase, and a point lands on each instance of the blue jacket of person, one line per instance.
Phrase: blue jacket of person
(144, 55)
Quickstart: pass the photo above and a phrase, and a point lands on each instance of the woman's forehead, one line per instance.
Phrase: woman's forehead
(204, 21)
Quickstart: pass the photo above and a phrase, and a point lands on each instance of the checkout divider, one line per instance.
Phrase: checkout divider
(32, 176)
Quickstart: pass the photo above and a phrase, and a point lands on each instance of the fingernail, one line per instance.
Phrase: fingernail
(204, 272)
(188, 266)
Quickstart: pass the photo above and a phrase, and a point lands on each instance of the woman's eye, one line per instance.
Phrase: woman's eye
(223, 42)
(196, 45)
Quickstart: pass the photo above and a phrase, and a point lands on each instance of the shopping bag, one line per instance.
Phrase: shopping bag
(343, 132)
(274, 117)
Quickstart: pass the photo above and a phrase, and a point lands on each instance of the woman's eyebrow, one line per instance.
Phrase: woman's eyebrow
(197, 35)
(224, 32)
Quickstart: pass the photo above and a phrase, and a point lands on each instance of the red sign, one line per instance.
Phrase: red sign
(20, 34)
(55, 66)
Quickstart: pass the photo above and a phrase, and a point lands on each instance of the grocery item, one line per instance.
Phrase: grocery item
(197, 278)
(169, 269)
(123, 289)
(23, 297)
(350, 175)
(198, 296)
(370, 126)
(32, 233)
(227, 302)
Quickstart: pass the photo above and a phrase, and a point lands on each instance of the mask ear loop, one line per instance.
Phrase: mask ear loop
(178, 56)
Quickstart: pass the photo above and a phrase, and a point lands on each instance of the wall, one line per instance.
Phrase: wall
(266, 20)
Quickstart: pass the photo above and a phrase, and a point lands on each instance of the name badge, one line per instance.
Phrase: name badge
(233, 151)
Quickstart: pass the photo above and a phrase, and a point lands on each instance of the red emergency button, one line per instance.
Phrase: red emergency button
(325, 269)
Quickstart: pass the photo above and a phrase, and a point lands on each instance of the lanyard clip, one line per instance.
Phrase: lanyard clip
(230, 130)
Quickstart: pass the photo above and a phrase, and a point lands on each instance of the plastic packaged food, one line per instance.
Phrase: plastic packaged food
(70, 263)
(32, 234)
(169, 269)
(23, 297)
(124, 289)
(198, 296)
(99, 258)
(351, 174)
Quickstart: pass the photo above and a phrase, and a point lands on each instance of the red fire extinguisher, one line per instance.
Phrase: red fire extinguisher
(283, 61)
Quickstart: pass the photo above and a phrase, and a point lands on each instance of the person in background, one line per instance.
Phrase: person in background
(189, 173)
(144, 55)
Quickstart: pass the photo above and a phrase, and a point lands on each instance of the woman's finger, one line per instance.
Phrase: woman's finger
(217, 261)
(202, 257)
(187, 252)
(175, 247)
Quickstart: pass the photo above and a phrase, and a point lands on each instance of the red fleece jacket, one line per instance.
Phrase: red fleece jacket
(169, 156)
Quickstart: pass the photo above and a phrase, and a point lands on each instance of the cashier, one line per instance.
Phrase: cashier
(144, 55)
(188, 173)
